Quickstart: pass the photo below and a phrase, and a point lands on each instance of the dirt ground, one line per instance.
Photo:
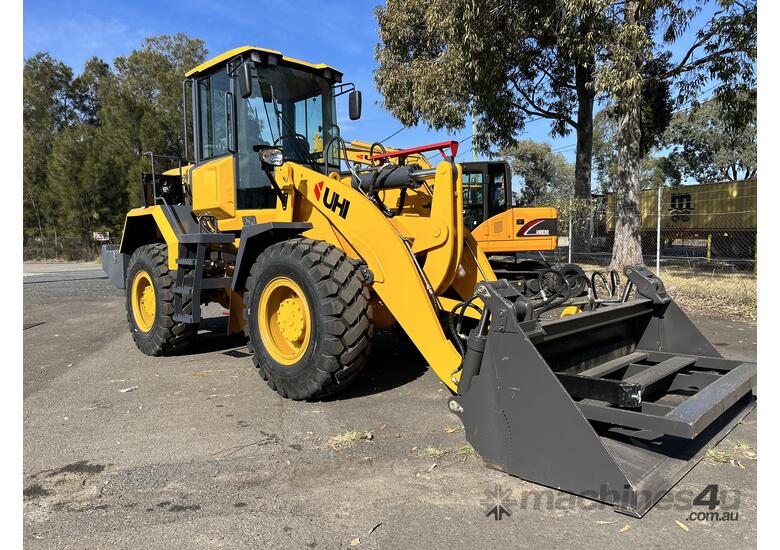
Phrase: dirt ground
(195, 451)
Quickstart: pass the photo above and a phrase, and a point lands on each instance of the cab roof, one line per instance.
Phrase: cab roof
(230, 54)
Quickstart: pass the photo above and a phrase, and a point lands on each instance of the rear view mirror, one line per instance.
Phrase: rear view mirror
(245, 80)
(355, 104)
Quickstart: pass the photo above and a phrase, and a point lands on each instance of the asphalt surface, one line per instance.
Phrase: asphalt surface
(195, 451)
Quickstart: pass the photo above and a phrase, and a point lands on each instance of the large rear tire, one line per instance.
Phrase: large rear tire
(307, 317)
(149, 301)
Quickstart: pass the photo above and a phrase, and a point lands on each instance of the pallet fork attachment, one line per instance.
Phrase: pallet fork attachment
(615, 405)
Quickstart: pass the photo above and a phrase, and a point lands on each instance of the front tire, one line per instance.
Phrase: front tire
(307, 318)
(149, 301)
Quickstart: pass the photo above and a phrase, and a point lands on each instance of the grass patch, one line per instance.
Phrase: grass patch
(467, 450)
(720, 295)
(349, 438)
(452, 429)
(725, 295)
(432, 453)
(715, 456)
(733, 456)
(746, 451)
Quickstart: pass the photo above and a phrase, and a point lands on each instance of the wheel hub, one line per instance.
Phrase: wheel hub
(290, 320)
(144, 301)
(284, 320)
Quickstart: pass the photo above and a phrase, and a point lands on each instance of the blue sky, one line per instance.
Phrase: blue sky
(341, 33)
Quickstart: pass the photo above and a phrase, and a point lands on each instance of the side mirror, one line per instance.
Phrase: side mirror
(355, 104)
(245, 80)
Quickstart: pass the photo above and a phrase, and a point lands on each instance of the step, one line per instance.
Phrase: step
(184, 290)
(186, 261)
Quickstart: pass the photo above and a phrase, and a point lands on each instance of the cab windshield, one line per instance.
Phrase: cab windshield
(291, 109)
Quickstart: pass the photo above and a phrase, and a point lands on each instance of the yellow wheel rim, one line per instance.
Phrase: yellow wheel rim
(284, 320)
(144, 301)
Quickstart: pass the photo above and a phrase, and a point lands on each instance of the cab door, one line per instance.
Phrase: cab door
(213, 178)
(498, 190)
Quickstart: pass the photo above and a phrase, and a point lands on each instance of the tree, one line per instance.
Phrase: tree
(547, 177)
(84, 136)
(705, 146)
(143, 112)
(655, 170)
(504, 62)
(90, 90)
(47, 108)
(723, 50)
(83, 179)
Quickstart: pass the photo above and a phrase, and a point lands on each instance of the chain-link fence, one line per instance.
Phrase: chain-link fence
(701, 239)
(705, 227)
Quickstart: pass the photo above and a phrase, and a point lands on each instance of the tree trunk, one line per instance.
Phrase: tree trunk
(586, 94)
(40, 226)
(627, 249)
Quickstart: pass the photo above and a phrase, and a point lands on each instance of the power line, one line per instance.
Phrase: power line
(461, 143)
(401, 129)
(565, 147)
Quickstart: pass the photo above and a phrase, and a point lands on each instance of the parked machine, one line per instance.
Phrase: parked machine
(616, 403)
(489, 213)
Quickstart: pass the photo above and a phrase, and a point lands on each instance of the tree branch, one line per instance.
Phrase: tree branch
(680, 69)
(538, 109)
(556, 81)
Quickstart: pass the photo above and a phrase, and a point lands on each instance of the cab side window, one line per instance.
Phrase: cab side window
(213, 126)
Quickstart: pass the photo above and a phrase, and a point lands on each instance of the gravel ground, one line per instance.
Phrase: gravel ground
(129, 451)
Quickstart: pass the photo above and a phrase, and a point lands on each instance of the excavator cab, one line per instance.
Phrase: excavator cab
(501, 226)
(487, 190)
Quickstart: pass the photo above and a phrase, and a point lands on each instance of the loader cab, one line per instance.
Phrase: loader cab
(247, 100)
(487, 190)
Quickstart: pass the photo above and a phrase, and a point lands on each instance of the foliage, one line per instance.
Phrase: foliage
(47, 109)
(547, 177)
(706, 147)
(84, 135)
(506, 63)
(655, 169)
(642, 34)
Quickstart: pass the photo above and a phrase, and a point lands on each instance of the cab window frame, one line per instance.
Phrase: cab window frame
(200, 151)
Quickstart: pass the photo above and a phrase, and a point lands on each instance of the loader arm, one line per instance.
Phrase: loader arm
(359, 151)
(376, 240)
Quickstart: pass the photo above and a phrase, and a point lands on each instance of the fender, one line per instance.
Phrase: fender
(147, 225)
(256, 238)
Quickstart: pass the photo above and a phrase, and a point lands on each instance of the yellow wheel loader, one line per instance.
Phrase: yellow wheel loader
(311, 253)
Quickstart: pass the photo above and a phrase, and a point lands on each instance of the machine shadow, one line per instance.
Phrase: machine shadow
(212, 337)
(394, 362)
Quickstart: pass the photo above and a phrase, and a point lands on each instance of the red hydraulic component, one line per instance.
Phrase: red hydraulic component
(403, 153)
